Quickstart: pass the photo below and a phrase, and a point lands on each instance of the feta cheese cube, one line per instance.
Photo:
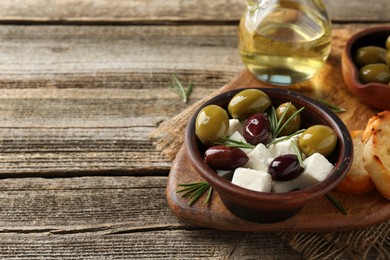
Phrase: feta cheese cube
(236, 136)
(259, 158)
(235, 126)
(284, 186)
(225, 174)
(284, 147)
(252, 179)
(281, 148)
(317, 168)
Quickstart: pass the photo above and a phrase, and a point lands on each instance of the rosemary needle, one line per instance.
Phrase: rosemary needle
(197, 194)
(188, 191)
(337, 204)
(273, 119)
(208, 195)
(284, 138)
(233, 143)
(176, 87)
(279, 122)
(279, 129)
(276, 123)
(298, 154)
(195, 190)
(332, 107)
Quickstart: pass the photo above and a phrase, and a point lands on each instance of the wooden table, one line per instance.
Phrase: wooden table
(82, 85)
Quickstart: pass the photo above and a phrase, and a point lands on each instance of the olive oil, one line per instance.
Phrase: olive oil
(285, 42)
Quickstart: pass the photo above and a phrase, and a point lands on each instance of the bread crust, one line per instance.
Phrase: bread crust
(357, 180)
(376, 154)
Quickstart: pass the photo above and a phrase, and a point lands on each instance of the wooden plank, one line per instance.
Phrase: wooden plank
(121, 217)
(358, 11)
(155, 11)
(116, 10)
(116, 56)
(167, 244)
(52, 132)
(100, 217)
(71, 103)
(71, 205)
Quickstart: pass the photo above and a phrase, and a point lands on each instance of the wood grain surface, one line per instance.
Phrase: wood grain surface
(82, 84)
(169, 11)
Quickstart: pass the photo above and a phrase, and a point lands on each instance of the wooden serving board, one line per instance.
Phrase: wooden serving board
(319, 215)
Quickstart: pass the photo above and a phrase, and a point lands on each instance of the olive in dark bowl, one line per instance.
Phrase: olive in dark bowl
(368, 81)
(269, 207)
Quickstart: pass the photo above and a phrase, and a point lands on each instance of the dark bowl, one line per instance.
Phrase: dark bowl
(375, 95)
(268, 207)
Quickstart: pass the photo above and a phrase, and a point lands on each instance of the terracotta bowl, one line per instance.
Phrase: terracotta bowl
(375, 95)
(268, 207)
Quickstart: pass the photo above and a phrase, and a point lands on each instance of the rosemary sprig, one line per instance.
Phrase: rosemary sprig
(337, 204)
(273, 119)
(276, 124)
(288, 120)
(176, 87)
(279, 122)
(332, 107)
(234, 143)
(195, 190)
(208, 198)
(284, 138)
(298, 153)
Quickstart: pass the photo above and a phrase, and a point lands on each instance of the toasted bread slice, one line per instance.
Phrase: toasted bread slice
(376, 153)
(357, 180)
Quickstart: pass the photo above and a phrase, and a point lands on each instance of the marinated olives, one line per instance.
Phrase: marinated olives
(225, 158)
(377, 72)
(318, 138)
(285, 167)
(295, 122)
(212, 122)
(247, 102)
(373, 63)
(257, 129)
(251, 154)
(370, 54)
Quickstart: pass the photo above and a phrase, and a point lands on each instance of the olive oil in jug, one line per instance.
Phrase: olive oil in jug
(284, 41)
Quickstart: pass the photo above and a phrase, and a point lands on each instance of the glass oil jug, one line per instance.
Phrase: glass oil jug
(284, 42)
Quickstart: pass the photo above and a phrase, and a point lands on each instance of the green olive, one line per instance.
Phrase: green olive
(295, 122)
(379, 73)
(369, 55)
(212, 122)
(247, 102)
(388, 58)
(388, 43)
(318, 139)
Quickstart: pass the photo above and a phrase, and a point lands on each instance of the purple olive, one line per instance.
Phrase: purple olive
(257, 129)
(225, 158)
(285, 167)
